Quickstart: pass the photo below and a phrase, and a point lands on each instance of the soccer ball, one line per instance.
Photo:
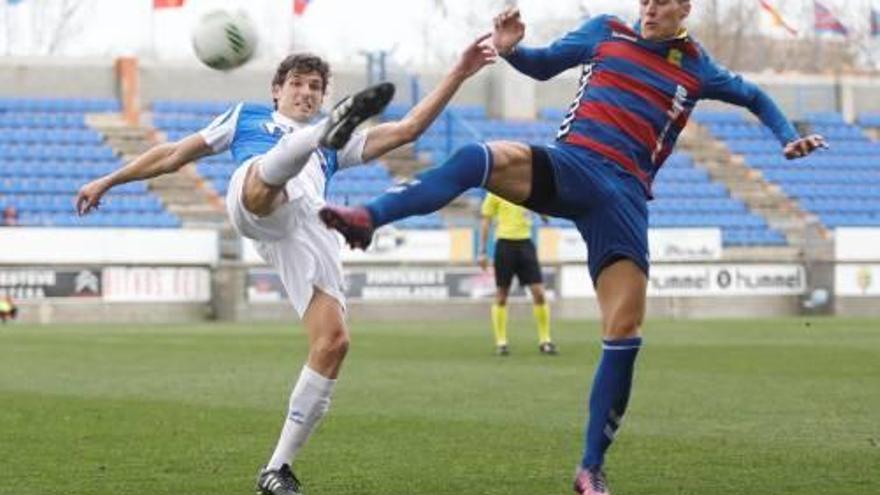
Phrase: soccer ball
(224, 40)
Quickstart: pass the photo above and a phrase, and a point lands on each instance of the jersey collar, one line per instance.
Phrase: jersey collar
(286, 121)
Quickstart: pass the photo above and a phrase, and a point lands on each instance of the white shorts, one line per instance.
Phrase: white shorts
(293, 240)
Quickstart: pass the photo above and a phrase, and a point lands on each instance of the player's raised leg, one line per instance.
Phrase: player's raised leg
(265, 182)
(310, 398)
(503, 167)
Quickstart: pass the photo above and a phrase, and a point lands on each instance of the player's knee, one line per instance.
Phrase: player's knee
(538, 297)
(334, 345)
(622, 326)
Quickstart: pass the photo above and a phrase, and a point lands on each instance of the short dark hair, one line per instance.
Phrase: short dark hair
(302, 63)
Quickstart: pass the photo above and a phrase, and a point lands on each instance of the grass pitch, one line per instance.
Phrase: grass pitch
(721, 407)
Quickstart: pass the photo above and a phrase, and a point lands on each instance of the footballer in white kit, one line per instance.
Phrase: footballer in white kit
(292, 239)
(285, 161)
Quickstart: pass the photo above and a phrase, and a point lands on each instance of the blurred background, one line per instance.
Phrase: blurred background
(85, 85)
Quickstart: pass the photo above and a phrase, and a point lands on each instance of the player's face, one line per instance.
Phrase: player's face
(301, 95)
(663, 19)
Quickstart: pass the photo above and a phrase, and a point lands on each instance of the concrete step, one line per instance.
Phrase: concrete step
(763, 253)
(216, 224)
(201, 209)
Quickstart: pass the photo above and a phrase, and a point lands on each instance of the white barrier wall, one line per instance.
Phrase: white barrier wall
(47, 246)
(108, 265)
(567, 246)
(857, 272)
(394, 246)
(702, 280)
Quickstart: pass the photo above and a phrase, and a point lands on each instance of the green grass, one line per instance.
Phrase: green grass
(760, 407)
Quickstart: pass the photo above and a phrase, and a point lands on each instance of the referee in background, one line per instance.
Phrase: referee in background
(514, 255)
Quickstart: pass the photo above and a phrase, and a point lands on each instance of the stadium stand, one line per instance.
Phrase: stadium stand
(838, 185)
(47, 151)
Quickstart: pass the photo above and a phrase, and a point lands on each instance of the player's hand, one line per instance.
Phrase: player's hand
(89, 196)
(477, 55)
(483, 261)
(509, 30)
(802, 147)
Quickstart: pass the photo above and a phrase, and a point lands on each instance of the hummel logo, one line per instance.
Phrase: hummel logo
(625, 36)
(274, 129)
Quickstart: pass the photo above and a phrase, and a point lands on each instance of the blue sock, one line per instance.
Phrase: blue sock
(432, 189)
(609, 396)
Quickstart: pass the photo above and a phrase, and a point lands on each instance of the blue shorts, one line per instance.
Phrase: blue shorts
(607, 204)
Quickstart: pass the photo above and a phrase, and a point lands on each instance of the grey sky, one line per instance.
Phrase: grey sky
(416, 30)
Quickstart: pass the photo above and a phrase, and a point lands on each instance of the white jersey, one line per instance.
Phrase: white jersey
(292, 238)
(248, 130)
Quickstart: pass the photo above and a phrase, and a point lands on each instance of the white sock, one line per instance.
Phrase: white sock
(285, 160)
(309, 401)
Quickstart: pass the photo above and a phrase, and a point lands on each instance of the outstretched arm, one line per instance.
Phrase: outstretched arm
(726, 86)
(160, 159)
(544, 63)
(385, 137)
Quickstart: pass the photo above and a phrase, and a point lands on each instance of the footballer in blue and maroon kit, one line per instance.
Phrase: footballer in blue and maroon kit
(638, 86)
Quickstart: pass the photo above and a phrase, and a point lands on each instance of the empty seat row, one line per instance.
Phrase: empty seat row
(844, 131)
(56, 152)
(147, 203)
(99, 219)
(191, 107)
(840, 205)
(368, 186)
(180, 123)
(718, 117)
(706, 220)
(430, 221)
(809, 176)
(61, 186)
(825, 118)
(750, 237)
(815, 161)
(58, 169)
(697, 205)
(698, 190)
(854, 191)
(50, 136)
(42, 121)
(71, 105)
(850, 219)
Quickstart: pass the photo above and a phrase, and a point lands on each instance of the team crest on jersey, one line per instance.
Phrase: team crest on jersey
(674, 57)
(274, 128)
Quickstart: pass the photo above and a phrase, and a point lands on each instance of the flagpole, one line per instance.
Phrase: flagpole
(152, 7)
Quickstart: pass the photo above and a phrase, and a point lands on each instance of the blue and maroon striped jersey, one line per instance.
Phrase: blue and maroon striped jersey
(636, 95)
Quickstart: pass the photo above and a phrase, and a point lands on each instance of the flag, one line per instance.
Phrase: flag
(299, 6)
(875, 23)
(167, 4)
(826, 22)
(776, 18)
